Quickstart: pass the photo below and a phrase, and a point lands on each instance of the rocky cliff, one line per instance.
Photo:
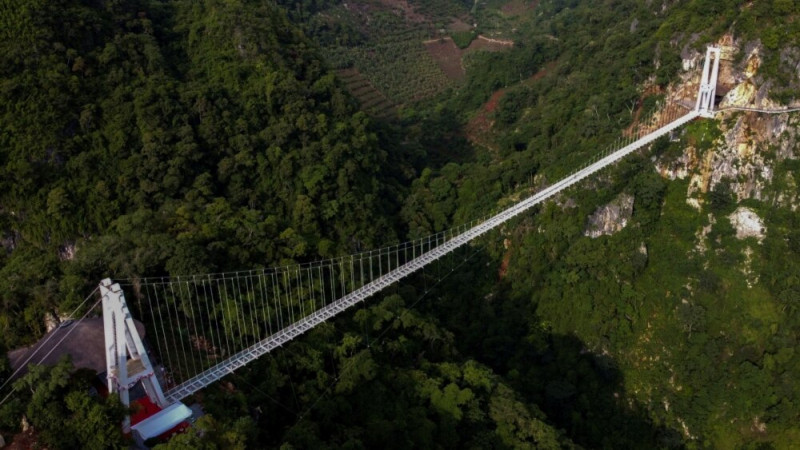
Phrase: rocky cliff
(741, 152)
(611, 218)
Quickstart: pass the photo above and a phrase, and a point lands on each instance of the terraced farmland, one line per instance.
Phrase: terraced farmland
(442, 12)
(372, 101)
(394, 61)
(388, 65)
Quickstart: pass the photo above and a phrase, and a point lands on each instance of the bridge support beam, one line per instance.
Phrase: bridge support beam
(708, 83)
(126, 358)
(330, 310)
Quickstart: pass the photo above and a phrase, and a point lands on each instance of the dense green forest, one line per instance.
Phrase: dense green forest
(148, 138)
(151, 156)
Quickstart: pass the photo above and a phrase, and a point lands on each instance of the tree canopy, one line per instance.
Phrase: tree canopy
(150, 138)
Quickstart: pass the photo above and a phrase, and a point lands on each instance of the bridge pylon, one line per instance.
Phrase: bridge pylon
(126, 358)
(708, 82)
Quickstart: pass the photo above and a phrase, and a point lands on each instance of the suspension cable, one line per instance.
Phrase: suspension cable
(43, 344)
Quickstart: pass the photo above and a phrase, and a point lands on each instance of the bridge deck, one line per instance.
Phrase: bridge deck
(325, 313)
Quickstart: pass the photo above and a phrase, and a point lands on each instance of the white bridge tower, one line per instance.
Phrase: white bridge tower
(708, 83)
(126, 358)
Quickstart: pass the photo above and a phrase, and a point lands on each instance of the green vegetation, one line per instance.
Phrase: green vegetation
(57, 403)
(442, 12)
(463, 38)
(390, 378)
(383, 44)
(143, 138)
(372, 100)
(400, 68)
(220, 141)
(209, 434)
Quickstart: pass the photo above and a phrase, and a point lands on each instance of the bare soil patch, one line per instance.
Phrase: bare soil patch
(448, 56)
(459, 25)
(501, 273)
(24, 441)
(518, 7)
(408, 11)
(494, 101)
(542, 72)
(489, 44)
(479, 129)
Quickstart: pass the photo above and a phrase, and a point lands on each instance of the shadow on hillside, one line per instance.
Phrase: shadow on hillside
(581, 392)
(430, 142)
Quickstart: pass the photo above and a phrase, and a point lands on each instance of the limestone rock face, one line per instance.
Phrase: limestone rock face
(611, 218)
(741, 96)
(751, 143)
(744, 157)
(50, 321)
(753, 63)
(748, 150)
(740, 87)
(679, 168)
(736, 159)
(689, 56)
(67, 251)
(790, 56)
(747, 224)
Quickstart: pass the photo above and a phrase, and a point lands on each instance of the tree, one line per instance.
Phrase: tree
(209, 434)
(722, 198)
(57, 402)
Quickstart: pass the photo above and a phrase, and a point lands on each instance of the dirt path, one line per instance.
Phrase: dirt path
(479, 129)
(506, 42)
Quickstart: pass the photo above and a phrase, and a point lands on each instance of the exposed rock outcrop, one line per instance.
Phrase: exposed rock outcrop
(610, 218)
(750, 143)
(50, 321)
(750, 275)
(67, 251)
(747, 224)
(790, 196)
(689, 56)
(736, 159)
(745, 92)
(702, 234)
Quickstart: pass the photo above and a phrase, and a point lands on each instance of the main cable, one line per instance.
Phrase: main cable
(69, 331)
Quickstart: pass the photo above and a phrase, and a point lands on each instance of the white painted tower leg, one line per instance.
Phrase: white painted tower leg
(126, 358)
(708, 83)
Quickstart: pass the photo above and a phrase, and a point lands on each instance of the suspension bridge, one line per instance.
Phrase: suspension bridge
(204, 327)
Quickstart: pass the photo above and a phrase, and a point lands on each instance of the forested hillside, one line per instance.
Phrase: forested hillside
(145, 138)
(148, 138)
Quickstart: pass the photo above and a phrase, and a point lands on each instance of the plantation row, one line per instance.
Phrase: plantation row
(372, 100)
(390, 65)
(441, 11)
(403, 71)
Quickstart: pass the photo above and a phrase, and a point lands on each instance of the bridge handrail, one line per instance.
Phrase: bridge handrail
(321, 315)
(760, 110)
